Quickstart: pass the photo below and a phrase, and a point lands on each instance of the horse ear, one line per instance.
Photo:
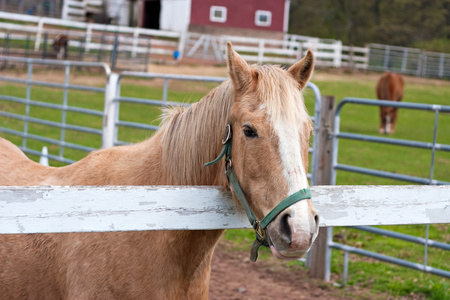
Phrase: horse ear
(238, 69)
(303, 69)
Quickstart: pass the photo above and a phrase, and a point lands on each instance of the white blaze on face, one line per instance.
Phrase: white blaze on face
(291, 158)
(388, 124)
(293, 171)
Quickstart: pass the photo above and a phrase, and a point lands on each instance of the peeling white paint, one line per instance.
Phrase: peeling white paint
(124, 208)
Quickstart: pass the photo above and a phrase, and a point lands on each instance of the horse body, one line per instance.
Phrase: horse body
(270, 155)
(123, 265)
(108, 265)
(389, 87)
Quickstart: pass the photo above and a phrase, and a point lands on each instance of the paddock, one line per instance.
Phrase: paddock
(196, 210)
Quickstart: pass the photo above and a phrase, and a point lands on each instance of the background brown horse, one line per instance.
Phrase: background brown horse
(60, 45)
(271, 129)
(389, 87)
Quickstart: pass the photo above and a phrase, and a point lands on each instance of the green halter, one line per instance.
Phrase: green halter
(258, 226)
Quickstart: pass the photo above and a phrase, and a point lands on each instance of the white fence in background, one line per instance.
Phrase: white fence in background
(329, 53)
(101, 208)
(78, 9)
(170, 44)
(162, 42)
(251, 49)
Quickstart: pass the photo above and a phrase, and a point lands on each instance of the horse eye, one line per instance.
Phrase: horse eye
(250, 132)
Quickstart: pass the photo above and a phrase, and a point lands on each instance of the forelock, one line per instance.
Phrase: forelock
(281, 95)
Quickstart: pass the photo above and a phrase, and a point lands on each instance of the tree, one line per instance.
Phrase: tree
(400, 22)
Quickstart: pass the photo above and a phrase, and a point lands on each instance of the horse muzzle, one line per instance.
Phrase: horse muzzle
(292, 233)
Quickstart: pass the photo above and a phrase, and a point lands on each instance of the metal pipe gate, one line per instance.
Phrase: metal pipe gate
(29, 102)
(434, 146)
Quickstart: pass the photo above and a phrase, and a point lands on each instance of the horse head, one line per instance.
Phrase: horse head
(270, 140)
(389, 115)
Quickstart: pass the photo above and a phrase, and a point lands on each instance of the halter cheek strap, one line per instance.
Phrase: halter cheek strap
(258, 226)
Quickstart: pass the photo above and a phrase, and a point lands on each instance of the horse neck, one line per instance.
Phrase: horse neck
(192, 137)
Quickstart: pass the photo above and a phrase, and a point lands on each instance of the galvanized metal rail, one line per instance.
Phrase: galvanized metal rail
(434, 146)
(65, 107)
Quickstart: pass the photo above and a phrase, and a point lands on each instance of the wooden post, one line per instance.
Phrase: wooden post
(317, 266)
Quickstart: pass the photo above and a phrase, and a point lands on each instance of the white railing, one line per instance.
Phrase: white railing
(287, 51)
(331, 53)
(265, 50)
(130, 36)
(102, 208)
(355, 57)
(328, 52)
(78, 9)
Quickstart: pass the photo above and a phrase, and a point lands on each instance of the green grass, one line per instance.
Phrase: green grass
(412, 125)
(400, 281)
(90, 100)
(139, 113)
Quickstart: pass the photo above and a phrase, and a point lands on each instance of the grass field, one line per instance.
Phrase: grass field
(412, 125)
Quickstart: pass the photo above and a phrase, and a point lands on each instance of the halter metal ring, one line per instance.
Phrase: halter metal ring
(259, 230)
(227, 135)
(228, 165)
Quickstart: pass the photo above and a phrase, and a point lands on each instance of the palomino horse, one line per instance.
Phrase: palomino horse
(263, 108)
(389, 87)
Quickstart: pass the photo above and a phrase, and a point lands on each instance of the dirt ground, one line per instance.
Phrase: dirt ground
(235, 277)
(97, 78)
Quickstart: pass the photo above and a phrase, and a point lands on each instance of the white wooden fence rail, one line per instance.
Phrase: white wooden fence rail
(169, 41)
(328, 53)
(127, 208)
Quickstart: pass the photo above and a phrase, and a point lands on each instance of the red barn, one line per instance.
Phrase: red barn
(260, 18)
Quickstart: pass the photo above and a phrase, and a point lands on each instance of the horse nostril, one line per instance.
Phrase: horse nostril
(285, 228)
(316, 219)
(316, 223)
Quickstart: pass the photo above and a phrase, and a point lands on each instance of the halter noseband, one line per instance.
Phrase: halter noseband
(258, 226)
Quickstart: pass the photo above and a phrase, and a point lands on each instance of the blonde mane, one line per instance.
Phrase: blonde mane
(187, 128)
